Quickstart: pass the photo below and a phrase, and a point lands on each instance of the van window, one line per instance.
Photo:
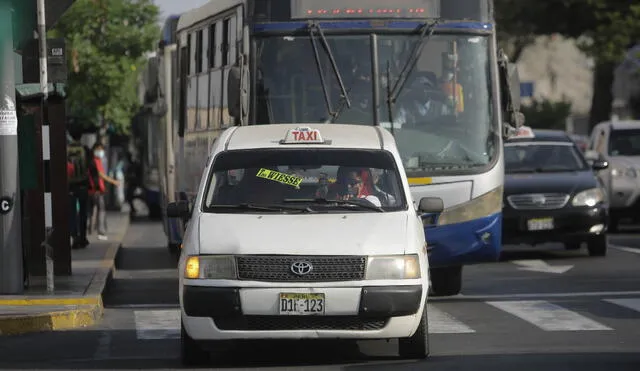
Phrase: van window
(295, 180)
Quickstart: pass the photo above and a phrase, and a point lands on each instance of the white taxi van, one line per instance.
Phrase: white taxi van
(303, 233)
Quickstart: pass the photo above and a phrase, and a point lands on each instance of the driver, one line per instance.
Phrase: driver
(353, 183)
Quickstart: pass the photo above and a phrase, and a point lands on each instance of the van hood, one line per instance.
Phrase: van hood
(308, 234)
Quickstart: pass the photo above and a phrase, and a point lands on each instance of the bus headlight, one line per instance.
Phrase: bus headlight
(396, 267)
(590, 197)
(210, 267)
(485, 205)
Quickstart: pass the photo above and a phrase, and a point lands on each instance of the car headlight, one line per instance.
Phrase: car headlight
(397, 267)
(590, 197)
(628, 172)
(485, 205)
(210, 267)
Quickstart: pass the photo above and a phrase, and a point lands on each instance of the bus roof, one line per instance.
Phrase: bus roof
(197, 15)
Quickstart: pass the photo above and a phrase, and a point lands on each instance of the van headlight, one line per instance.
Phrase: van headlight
(488, 204)
(590, 197)
(394, 267)
(211, 267)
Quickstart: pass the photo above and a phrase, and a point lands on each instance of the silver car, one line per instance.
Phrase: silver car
(618, 142)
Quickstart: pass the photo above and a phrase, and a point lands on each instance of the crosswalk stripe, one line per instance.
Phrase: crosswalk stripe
(548, 316)
(442, 323)
(157, 324)
(633, 304)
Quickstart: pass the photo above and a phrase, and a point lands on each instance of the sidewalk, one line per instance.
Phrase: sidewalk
(77, 301)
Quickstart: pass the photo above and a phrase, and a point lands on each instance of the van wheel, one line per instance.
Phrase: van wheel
(416, 346)
(446, 281)
(191, 353)
(598, 246)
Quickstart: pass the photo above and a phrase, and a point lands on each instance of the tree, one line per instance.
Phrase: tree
(606, 30)
(108, 40)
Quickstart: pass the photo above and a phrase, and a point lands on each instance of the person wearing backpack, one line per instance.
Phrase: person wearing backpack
(78, 163)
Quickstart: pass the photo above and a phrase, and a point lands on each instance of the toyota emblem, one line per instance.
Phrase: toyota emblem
(301, 267)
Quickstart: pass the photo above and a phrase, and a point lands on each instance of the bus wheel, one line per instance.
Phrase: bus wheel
(446, 281)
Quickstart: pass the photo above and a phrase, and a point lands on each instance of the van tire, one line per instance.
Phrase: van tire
(191, 354)
(598, 246)
(446, 281)
(417, 345)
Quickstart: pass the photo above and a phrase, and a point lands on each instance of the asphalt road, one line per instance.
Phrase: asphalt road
(547, 309)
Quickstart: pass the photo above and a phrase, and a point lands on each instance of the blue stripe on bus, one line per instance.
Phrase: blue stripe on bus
(471, 242)
(284, 26)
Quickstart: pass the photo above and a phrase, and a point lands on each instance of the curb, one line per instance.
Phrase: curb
(89, 308)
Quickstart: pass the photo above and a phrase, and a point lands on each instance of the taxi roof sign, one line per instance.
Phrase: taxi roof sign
(303, 135)
(524, 132)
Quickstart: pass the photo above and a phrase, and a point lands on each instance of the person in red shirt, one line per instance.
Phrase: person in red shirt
(97, 190)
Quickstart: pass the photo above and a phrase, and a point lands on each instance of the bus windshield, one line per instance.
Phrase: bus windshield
(435, 129)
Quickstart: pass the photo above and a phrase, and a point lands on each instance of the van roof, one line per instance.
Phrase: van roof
(336, 136)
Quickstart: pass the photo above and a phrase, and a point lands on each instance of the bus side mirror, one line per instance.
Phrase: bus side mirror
(238, 90)
(233, 91)
(179, 209)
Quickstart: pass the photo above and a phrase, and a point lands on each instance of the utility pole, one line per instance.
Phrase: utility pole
(11, 268)
(46, 147)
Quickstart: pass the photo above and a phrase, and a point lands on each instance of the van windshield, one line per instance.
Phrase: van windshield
(309, 180)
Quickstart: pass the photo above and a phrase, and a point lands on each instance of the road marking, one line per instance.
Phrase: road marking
(157, 324)
(633, 304)
(541, 266)
(626, 249)
(548, 316)
(535, 295)
(104, 346)
(442, 323)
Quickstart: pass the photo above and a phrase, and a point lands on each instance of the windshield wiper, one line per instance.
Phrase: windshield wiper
(313, 28)
(324, 201)
(246, 206)
(392, 93)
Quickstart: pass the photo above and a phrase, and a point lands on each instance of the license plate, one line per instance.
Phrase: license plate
(540, 224)
(301, 304)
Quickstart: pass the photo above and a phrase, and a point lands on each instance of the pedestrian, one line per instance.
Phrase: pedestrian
(97, 190)
(78, 160)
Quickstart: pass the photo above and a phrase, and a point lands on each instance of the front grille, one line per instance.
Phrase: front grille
(538, 201)
(275, 323)
(278, 268)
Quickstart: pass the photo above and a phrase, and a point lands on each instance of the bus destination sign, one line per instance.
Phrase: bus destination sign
(353, 9)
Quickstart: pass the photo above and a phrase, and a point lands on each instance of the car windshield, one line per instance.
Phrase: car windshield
(625, 143)
(435, 129)
(299, 181)
(542, 158)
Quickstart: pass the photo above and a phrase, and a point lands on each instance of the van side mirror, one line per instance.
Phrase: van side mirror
(431, 205)
(600, 165)
(179, 209)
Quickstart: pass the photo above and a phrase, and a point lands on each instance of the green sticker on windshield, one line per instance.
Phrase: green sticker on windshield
(279, 177)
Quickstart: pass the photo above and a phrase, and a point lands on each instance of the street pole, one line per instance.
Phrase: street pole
(46, 147)
(11, 268)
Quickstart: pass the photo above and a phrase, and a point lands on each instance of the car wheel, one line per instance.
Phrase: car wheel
(446, 281)
(191, 353)
(416, 346)
(598, 246)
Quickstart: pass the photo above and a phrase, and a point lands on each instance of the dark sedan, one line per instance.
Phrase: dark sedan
(551, 194)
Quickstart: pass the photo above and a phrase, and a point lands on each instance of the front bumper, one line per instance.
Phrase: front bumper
(571, 224)
(372, 312)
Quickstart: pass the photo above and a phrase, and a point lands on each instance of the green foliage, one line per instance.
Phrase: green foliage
(611, 27)
(107, 42)
(546, 114)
